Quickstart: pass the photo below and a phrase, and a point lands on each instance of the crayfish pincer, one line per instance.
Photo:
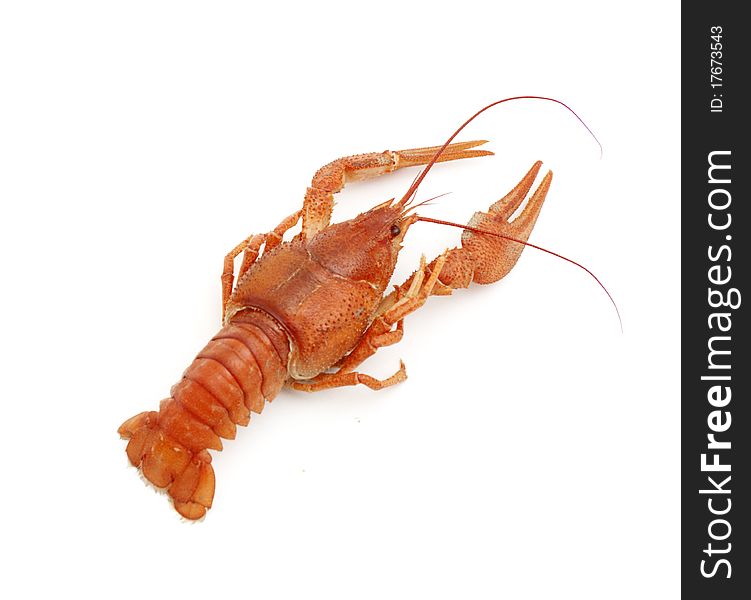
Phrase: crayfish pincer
(305, 313)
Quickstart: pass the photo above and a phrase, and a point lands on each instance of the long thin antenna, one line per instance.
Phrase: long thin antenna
(416, 183)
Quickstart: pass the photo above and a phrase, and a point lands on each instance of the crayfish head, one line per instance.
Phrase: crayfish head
(364, 248)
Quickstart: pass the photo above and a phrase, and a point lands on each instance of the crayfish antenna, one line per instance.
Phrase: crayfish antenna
(437, 157)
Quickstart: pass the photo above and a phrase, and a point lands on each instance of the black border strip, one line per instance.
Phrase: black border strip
(715, 375)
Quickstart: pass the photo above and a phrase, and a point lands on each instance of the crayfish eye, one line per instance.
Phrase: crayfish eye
(395, 230)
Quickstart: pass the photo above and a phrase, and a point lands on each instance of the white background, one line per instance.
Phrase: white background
(534, 450)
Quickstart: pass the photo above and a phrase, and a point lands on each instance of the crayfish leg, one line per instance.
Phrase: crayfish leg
(378, 335)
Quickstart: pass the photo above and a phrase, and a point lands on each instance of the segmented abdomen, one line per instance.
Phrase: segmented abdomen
(242, 367)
